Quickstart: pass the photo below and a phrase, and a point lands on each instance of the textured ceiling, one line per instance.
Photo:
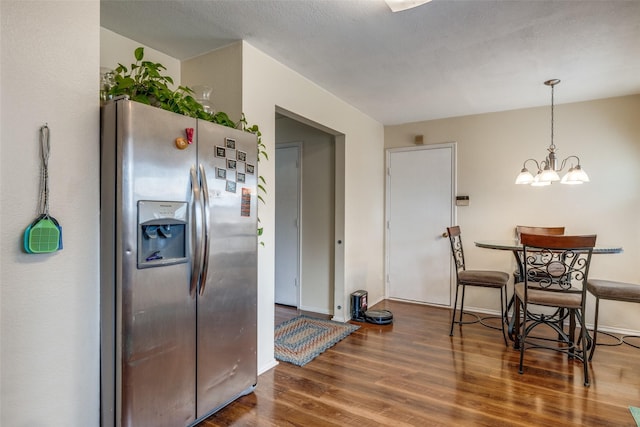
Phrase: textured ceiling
(442, 59)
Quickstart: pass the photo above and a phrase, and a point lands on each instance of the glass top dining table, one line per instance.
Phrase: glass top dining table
(516, 248)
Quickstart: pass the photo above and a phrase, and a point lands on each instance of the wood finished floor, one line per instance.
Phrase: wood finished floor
(411, 373)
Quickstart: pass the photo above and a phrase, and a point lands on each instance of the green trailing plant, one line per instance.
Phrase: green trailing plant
(262, 153)
(144, 82)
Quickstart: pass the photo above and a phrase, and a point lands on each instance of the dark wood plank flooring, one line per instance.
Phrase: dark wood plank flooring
(411, 373)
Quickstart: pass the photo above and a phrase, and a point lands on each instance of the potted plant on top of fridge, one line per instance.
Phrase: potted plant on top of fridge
(145, 83)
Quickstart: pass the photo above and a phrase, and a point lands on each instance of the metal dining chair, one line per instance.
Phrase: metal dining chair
(482, 278)
(556, 272)
(527, 229)
(613, 291)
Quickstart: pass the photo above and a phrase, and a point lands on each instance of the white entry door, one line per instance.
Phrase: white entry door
(287, 236)
(420, 205)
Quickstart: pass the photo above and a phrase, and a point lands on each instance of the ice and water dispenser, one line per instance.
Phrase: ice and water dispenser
(162, 233)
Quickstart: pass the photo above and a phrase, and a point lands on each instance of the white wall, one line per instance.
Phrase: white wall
(605, 134)
(221, 70)
(49, 359)
(267, 84)
(116, 49)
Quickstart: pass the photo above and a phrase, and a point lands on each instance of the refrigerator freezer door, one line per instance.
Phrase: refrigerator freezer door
(227, 333)
(154, 328)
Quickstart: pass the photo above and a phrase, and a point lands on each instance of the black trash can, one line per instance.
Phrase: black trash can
(358, 305)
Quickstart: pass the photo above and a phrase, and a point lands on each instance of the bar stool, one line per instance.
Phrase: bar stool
(482, 278)
(614, 291)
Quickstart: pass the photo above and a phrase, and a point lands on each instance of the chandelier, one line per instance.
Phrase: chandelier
(400, 5)
(547, 169)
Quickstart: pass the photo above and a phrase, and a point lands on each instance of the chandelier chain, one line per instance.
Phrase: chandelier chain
(552, 146)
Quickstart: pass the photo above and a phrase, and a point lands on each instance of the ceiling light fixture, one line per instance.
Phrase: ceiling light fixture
(400, 5)
(548, 168)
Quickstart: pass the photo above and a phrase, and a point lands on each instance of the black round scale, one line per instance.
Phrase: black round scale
(379, 317)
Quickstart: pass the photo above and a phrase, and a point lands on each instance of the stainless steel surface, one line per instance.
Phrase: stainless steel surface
(158, 314)
(108, 272)
(197, 220)
(227, 310)
(206, 242)
(170, 356)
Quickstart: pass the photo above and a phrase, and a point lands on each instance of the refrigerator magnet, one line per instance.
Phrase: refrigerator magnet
(231, 164)
(221, 173)
(250, 169)
(181, 143)
(231, 187)
(240, 177)
(221, 151)
(245, 203)
(230, 143)
(241, 156)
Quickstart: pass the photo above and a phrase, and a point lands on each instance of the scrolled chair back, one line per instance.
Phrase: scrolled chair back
(456, 246)
(556, 262)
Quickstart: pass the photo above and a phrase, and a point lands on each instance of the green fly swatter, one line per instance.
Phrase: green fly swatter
(44, 234)
(43, 237)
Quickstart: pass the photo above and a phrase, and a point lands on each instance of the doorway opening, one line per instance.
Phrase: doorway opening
(309, 216)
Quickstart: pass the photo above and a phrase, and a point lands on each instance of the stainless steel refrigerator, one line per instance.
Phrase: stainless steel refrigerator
(178, 266)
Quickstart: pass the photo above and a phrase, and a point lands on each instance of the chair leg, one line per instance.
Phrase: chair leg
(521, 332)
(516, 323)
(455, 304)
(595, 330)
(504, 318)
(464, 288)
(585, 348)
(572, 332)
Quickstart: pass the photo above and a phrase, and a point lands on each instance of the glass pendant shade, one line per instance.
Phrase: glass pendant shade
(524, 177)
(538, 182)
(575, 176)
(400, 5)
(549, 175)
(580, 174)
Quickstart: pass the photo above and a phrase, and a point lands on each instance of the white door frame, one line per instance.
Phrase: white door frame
(298, 145)
(453, 219)
(341, 301)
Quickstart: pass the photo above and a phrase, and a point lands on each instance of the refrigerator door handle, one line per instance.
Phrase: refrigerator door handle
(206, 220)
(197, 257)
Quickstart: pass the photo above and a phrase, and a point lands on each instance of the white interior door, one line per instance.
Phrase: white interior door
(287, 236)
(420, 205)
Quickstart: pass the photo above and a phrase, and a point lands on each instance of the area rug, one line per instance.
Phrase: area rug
(636, 414)
(301, 339)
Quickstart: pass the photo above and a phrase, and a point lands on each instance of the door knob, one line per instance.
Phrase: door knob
(445, 234)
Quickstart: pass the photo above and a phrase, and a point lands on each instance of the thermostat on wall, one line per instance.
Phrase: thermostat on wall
(462, 200)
